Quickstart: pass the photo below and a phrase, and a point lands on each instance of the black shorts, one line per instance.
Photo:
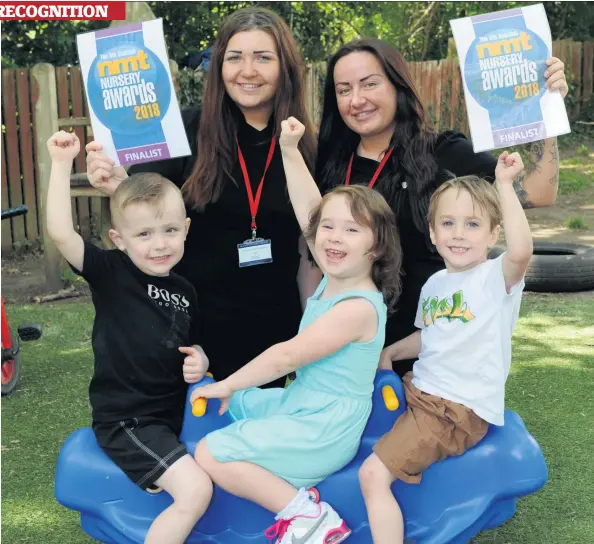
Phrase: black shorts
(144, 447)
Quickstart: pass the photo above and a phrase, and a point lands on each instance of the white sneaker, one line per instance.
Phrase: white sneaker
(326, 527)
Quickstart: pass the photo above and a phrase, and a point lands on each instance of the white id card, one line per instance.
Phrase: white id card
(253, 252)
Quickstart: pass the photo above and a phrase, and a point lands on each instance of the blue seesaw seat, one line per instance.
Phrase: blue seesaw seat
(456, 499)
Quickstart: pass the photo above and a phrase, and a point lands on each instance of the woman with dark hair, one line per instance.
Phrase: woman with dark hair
(376, 131)
(235, 189)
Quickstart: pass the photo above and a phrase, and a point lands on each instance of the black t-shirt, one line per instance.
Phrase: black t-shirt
(243, 311)
(140, 322)
(454, 155)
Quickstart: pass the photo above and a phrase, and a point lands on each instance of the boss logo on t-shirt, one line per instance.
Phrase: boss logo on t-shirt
(164, 298)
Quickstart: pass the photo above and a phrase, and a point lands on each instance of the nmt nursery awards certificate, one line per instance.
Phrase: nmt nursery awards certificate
(502, 59)
(132, 103)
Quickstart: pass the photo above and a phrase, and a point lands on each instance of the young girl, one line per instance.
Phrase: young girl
(283, 441)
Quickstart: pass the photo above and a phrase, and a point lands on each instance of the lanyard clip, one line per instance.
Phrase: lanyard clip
(254, 233)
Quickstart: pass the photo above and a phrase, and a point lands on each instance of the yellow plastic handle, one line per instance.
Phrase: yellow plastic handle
(390, 398)
(199, 407)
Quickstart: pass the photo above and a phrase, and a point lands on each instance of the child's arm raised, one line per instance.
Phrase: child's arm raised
(303, 191)
(353, 320)
(63, 147)
(517, 230)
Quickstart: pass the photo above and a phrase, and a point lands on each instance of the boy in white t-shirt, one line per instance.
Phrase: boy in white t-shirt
(466, 316)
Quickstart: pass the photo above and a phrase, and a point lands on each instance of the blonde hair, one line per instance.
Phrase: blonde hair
(370, 209)
(145, 187)
(483, 194)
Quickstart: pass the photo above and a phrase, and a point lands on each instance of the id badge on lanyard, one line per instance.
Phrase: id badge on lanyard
(256, 250)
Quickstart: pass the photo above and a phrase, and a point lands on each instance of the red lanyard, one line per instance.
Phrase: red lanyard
(255, 202)
(377, 172)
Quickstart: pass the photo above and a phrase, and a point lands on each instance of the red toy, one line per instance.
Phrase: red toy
(11, 356)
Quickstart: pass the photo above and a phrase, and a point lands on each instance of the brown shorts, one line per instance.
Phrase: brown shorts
(430, 430)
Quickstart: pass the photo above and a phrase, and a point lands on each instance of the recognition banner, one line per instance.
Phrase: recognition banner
(132, 103)
(503, 60)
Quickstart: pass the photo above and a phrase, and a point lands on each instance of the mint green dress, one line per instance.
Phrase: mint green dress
(312, 428)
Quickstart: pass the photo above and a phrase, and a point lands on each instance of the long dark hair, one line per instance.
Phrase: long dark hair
(369, 208)
(413, 140)
(217, 152)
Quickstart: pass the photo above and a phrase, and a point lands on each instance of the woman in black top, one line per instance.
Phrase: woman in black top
(254, 82)
(373, 119)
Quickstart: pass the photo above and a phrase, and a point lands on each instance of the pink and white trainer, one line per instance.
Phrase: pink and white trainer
(325, 528)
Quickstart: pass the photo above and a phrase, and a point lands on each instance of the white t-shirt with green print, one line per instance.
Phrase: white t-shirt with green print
(466, 321)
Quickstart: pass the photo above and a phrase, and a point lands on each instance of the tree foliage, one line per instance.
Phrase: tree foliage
(420, 29)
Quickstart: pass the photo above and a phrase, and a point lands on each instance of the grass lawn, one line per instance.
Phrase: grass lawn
(551, 386)
(576, 172)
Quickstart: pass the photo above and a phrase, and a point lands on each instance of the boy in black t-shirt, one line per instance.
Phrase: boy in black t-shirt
(144, 335)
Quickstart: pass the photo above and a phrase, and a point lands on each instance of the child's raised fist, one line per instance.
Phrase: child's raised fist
(291, 132)
(508, 167)
(63, 146)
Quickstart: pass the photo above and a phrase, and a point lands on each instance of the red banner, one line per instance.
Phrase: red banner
(62, 11)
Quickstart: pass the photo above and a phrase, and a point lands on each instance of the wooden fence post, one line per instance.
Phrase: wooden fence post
(46, 124)
(313, 87)
(452, 51)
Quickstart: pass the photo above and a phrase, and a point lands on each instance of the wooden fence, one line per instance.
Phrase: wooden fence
(439, 84)
(20, 153)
